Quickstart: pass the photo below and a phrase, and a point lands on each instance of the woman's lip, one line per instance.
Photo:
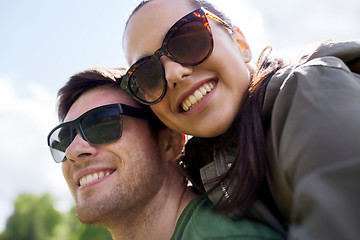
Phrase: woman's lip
(190, 91)
(201, 105)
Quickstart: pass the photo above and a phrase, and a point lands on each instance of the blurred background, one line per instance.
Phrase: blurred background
(43, 43)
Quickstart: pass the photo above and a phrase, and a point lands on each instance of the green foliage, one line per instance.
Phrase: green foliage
(95, 232)
(35, 218)
(79, 231)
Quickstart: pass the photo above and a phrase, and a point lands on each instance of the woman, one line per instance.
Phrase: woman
(280, 141)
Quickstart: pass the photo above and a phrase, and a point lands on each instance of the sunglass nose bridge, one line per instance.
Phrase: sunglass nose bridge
(74, 131)
(158, 54)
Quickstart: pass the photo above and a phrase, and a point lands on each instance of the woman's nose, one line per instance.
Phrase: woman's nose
(174, 72)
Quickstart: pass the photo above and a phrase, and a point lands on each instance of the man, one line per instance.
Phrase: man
(119, 162)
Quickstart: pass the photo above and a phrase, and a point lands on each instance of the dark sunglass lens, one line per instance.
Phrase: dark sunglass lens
(147, 82)
(191, 43)
(102, 126)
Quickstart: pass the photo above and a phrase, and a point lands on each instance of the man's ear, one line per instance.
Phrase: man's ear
(171, 144)
(243, 45)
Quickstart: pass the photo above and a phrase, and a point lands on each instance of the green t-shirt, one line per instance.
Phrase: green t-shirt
(199, 221)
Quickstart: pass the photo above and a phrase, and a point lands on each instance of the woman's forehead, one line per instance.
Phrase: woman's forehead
(148, 26)
(167, 11)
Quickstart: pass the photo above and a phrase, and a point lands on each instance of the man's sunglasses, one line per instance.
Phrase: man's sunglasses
(188, 42)
(98, 126)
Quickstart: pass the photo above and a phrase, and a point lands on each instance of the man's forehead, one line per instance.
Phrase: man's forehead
(97, 97)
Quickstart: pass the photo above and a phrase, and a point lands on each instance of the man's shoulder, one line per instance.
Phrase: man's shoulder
(199, 221)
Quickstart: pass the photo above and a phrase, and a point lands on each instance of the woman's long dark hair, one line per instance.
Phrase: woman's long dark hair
(248, 172)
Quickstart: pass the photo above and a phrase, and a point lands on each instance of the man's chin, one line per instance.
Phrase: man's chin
(88, 215)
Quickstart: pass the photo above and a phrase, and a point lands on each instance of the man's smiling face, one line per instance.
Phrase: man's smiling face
(115, 180)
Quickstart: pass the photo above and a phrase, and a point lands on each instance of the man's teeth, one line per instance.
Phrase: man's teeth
(92, 177)
(196, 97)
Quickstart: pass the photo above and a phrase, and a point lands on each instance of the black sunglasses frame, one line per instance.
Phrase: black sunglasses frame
(199, 15)
(123, 109)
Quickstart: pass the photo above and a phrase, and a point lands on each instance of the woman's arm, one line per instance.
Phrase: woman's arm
(316, 139)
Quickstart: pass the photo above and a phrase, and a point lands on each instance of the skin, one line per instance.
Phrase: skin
(227, 65)
(133, 201)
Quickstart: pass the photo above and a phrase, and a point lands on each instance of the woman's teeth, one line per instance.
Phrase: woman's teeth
(92, 177)
(192, 100)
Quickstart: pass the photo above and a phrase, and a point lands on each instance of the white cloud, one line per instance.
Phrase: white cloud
(26, 162)
(289, 26)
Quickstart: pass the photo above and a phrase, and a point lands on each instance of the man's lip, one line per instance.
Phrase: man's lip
(92, 170)
(190, 91)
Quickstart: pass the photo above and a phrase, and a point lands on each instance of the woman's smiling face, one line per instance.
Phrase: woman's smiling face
(201, 100)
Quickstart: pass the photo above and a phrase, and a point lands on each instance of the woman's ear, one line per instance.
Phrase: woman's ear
(171, 144)
(243, 45)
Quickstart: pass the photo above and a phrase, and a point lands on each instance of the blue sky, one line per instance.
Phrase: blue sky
(43, 43)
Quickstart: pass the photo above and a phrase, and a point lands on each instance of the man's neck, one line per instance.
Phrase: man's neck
(157, 221)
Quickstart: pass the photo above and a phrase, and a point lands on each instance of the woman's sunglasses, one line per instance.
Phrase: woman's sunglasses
(98, 126)
(189, 42)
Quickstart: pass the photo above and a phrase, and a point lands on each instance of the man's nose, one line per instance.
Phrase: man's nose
(79, 149)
